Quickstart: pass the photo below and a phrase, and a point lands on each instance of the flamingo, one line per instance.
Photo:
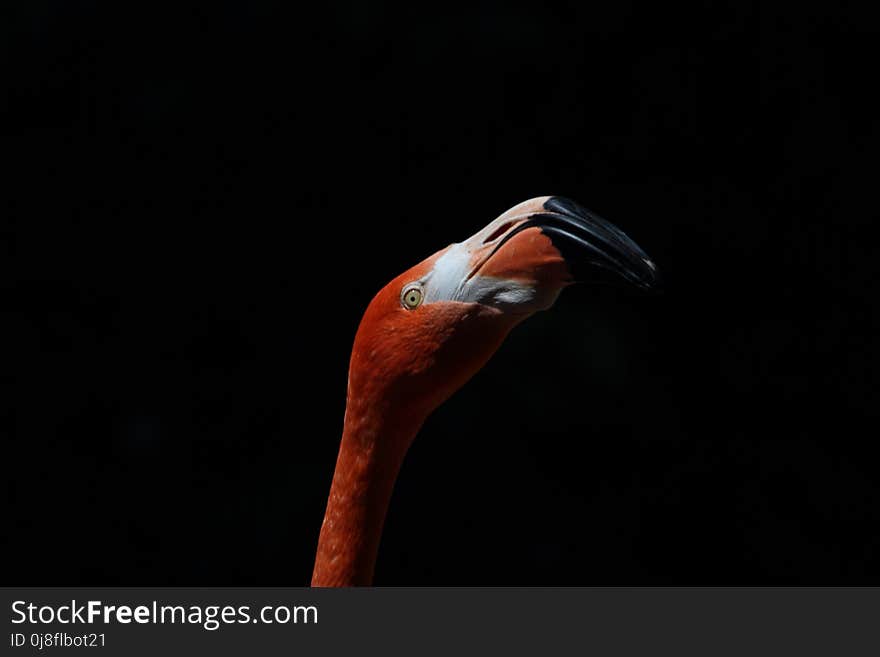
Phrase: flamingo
(430, 330)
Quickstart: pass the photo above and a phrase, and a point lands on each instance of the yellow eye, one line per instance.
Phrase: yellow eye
(411, 297)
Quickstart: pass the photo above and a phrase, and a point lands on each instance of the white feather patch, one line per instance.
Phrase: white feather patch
(448, 281)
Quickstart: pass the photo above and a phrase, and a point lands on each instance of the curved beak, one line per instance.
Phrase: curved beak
(521, 261)
(586, 241)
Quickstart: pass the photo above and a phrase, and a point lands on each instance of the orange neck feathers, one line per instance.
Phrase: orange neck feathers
(403, 365)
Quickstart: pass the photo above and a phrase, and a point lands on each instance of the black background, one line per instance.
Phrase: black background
(202, 201)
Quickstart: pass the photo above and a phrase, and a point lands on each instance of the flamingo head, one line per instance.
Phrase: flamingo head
(431, 328)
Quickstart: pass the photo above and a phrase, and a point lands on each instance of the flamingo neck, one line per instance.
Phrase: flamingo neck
(374, 443)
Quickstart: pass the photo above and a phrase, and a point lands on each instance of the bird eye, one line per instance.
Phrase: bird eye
(411, 297)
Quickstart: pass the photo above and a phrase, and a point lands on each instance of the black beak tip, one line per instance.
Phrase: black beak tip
(591, 244)
(652, 281)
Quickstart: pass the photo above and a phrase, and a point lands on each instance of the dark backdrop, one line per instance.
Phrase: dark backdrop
(203, 200)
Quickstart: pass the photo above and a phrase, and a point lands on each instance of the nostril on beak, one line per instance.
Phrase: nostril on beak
(498, 232)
